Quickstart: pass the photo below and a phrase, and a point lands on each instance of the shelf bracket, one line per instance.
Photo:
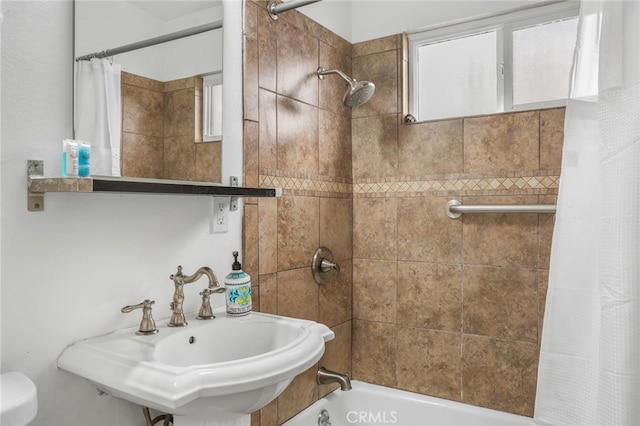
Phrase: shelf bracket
(35, 200)
(233, 206)
(37, 185)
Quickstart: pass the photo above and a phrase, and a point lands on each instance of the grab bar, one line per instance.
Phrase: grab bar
(454, 209)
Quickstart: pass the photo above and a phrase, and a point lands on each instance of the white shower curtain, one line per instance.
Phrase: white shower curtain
(98, 113)
(589, 371)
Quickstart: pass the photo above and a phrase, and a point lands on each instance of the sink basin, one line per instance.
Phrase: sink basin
(18, 399)
(201, 346)
(222, 369)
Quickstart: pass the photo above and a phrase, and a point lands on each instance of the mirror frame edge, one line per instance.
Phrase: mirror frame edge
(232, 158)
(233, 114)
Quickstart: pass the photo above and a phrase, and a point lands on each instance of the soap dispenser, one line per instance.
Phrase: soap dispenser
(238, 285)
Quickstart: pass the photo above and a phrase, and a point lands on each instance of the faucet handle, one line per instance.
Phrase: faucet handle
(327, 265)
(205, 312)
(144, 304)
(178, 276)
(322, 264)
(147, 324)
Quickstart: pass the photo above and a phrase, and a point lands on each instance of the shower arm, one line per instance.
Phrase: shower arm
(322, 72)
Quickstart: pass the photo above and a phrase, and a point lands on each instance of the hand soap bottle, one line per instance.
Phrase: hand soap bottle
(238, 294)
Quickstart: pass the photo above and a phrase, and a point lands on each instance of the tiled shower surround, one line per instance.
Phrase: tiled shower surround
(161, 130)
(450, 308)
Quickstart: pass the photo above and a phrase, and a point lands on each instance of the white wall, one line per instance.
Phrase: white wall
(373, 19)
(335, 15)
(361, 20)
(67, 271)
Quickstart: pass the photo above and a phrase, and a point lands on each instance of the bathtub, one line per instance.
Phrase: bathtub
(374, 405)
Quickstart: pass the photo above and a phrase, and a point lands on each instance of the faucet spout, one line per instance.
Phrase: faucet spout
(327, 376)
(205, 270)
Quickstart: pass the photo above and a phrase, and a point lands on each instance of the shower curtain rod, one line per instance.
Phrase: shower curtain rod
(273, 7)
(454, 209)
(153, 41)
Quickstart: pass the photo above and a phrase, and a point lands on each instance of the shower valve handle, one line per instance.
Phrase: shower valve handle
(327, 265)
(322, 264)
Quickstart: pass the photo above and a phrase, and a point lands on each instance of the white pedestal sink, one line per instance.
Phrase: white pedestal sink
(219, 369)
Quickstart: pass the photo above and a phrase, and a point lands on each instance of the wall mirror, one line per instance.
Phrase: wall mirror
(168, 92)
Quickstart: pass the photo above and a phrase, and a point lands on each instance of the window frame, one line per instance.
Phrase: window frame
(504, 24)
(210, 80)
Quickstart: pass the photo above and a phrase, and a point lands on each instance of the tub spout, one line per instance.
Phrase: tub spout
(327, 376)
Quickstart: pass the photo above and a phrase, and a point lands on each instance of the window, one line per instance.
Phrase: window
(512, 62)
(461, 75)
(542, 59)
(212, 107)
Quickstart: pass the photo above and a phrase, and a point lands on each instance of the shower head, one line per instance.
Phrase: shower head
(358, 92)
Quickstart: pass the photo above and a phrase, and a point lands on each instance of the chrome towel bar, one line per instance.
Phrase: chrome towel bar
(454, 209)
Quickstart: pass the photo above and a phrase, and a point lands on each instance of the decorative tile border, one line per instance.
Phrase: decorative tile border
(301, 185)
(521, 183)
(307, 186)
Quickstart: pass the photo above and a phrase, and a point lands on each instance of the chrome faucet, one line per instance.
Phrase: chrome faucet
(179, 280)
(327, 376)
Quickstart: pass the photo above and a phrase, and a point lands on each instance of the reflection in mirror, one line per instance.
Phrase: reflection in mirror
(168, 121)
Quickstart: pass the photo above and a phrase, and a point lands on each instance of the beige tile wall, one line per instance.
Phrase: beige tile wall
(297, 136)
(162, 132)
(450, 308)
(142, 130)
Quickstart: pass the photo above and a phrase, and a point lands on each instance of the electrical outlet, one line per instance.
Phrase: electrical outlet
(220, 216)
